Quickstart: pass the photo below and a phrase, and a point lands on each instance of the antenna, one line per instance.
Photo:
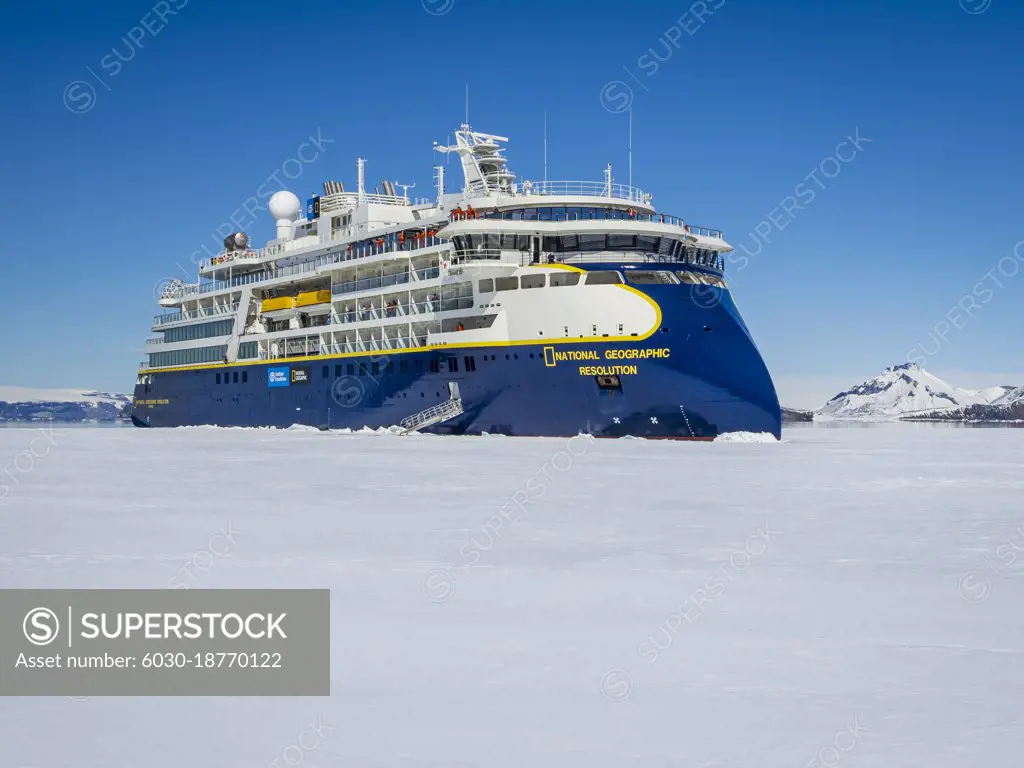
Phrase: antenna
(440, 183)
(405, 190)
(631, 146)
(545, 145)
(467, 103)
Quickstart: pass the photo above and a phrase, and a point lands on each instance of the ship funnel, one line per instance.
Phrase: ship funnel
(284, 207)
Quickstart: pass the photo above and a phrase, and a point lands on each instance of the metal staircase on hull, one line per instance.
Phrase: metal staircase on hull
(435, 414)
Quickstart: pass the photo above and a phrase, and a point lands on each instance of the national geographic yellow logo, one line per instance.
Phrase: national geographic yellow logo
(553, 358)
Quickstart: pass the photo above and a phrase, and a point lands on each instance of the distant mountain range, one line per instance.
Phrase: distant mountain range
(63, 405)
(902, 392)
(909, 392)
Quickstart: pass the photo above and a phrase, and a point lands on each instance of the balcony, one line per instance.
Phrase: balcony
(359, 251)
(195, 314)
(404, 310)
(248, 256)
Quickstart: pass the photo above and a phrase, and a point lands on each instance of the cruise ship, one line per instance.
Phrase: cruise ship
(515, 307)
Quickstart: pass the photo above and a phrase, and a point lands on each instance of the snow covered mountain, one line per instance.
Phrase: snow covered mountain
(905, 390)
(64, 405)
(1010, 396)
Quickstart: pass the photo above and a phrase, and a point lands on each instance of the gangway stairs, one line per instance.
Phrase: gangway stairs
(435, 414)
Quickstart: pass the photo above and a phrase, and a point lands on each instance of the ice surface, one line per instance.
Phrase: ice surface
(657, 604)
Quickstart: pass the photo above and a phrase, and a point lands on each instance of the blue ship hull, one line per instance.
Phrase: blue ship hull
(697, 376)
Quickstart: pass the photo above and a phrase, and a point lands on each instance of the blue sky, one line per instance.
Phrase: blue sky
(130, 139)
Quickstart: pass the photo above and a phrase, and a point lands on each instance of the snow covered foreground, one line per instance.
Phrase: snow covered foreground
(848, 597)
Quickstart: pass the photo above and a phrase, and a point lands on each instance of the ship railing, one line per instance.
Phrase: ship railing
(583, 189)
(193, 314)
(341, 200)
(427, 274)
(596, 214)
(229, 257)
(384, 281)
(403, 309)
(506, 255)
(375, 345)
(358, 251)
(485, 254)
(354, 286)
(687, 255)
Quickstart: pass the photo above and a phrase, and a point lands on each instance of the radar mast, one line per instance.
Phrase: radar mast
(483, 164)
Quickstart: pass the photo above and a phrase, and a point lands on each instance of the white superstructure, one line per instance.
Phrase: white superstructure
(488, 265)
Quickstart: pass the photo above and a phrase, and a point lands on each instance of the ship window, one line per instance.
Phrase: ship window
(648, 278)
(375, 368)
(325, 372)
(218, 378)
(487, 286)
(350, 369)
(688, 277)
(470, 363)
(506, 283)
(453, 365)
(532, 281)
(337, 371)
(621, 241)
(592, 242)
(234, 377)
(604, 277)
(245, 376)
(569, 242)
(362, 369)
(564, 278)
(649, 244)
(200, 331)
(435, 365)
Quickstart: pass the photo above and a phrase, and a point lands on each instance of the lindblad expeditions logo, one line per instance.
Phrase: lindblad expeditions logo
(278, 377)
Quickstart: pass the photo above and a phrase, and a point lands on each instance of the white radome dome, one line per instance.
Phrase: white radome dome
(284, 205)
